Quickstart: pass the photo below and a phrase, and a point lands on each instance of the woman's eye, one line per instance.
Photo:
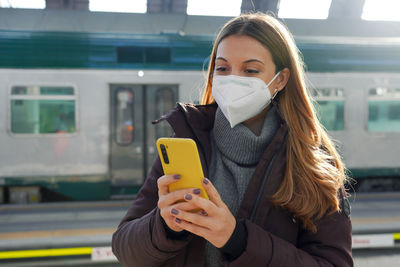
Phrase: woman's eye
(252, 71)
(220, 69)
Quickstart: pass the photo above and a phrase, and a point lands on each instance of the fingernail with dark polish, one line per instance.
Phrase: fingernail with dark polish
(178, 220)
(188, 197)
(174, 211)
(177, 177)
(205, 180)
(197, 191)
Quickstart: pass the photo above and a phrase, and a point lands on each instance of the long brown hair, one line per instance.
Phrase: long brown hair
(314, 169)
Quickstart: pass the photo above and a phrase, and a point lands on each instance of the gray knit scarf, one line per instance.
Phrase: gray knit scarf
(235, 155)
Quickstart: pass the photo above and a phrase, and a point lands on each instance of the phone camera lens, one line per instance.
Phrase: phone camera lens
(164, 153)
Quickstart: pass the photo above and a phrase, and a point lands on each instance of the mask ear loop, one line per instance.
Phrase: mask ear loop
(275, 93)
(273, 79)
(276, 89)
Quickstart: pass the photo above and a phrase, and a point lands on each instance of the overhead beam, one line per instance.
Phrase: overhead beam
(36, 20)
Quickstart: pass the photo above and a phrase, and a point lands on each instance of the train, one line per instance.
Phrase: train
(77, 108)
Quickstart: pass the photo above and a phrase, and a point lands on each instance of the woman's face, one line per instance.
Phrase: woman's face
(242, 55)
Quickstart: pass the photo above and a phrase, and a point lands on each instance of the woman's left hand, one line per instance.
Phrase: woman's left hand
(215, 223)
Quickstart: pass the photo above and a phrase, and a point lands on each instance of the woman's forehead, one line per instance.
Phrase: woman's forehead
(242, 48)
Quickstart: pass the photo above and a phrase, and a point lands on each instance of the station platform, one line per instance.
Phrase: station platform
(59, 234)
(375, 213)
(85, 228)
(50, 225)
(376, 220)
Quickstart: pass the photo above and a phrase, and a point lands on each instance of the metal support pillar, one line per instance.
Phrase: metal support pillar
(167, 6)
(249, 6)
(68, 4)
(346, 9)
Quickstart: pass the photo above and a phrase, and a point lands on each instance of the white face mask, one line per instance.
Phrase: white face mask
(241, 98)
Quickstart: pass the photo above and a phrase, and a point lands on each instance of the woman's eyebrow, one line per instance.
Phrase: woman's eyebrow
(253, 60)
(221, 58)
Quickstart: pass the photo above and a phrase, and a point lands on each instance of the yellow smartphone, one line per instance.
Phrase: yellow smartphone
(180, 156)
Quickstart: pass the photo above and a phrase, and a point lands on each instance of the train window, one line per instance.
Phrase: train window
(130, 54)
(123, 121)
(19, 90)
(164, 102)
(373, 111)
(394, 112)
(140, 54)
(158, 54)
(330, 107)
(42, 110)
(384, 110)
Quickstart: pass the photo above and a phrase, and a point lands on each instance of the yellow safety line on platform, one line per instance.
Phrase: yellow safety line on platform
(396, 236)
(45, 253)
(57, 233)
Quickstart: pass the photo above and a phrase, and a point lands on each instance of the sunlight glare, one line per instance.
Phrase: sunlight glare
(35, 4)
(136, 6)
(381, 10)
(229, 8)
(304, 9)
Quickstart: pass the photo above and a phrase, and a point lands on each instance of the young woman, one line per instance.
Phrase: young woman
(275, 180)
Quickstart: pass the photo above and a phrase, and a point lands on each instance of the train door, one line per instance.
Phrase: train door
(132, 109)
(161, 99)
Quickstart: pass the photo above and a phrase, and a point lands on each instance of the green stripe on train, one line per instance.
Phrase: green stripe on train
(375, 172)
(35, 49)
(65, 188)
(78, 188)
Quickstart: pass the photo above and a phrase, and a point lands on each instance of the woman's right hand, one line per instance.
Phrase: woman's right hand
(167, 201)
